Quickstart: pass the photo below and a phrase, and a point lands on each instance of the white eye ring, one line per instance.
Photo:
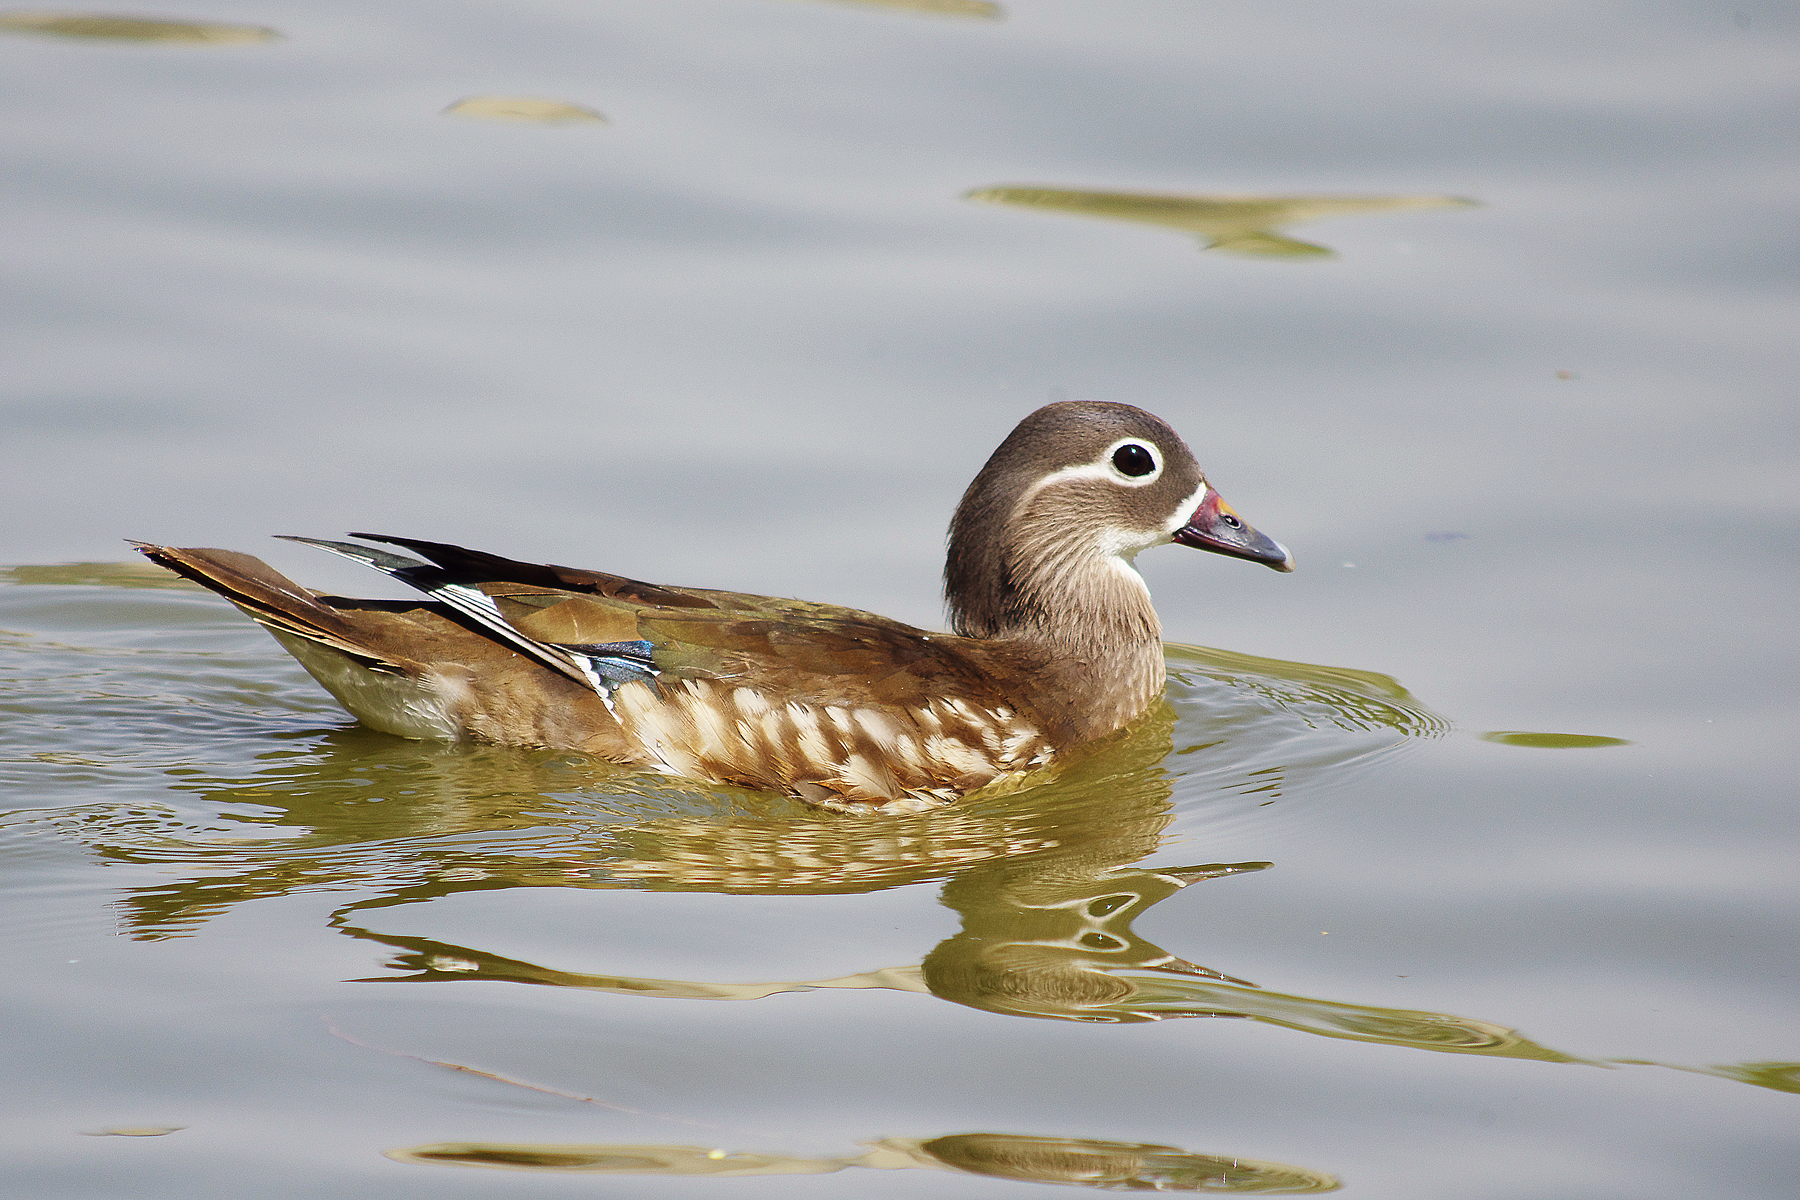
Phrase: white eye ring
(1112, 468)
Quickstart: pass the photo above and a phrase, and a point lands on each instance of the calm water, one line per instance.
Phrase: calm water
(1310, 925)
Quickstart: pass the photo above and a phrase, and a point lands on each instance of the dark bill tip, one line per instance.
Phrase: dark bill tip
(1215, 527)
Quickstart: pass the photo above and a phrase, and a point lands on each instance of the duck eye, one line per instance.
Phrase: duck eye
(1133, 460)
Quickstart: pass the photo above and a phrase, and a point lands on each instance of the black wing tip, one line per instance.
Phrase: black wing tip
(388, 539)
(397, 565)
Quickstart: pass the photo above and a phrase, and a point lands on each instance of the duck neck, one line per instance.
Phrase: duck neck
(1074, 611)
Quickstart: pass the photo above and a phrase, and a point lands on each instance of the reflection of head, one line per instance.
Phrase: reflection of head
(1042, 932)
(1050, 947)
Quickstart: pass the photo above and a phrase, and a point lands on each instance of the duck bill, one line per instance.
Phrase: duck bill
(1214, 526)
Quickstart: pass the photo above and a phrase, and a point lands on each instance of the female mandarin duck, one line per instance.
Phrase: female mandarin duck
(1056, 642)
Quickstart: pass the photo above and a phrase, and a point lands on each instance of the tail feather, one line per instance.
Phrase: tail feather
(271, 598)
(426, 668)
(278, 603)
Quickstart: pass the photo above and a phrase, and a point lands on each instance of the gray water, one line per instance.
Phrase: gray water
(1535, 459)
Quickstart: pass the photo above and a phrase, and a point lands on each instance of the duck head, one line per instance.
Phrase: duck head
(1044, 539)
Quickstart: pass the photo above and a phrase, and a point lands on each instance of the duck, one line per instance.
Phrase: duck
(1054, 644)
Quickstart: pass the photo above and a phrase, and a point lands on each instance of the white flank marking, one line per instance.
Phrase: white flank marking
(877, 725)
(1016, 741)
(813, 747)
(869, 776)
(714, 729)
(650, 723)
(773, 745)
(906, 749)
(959, 756)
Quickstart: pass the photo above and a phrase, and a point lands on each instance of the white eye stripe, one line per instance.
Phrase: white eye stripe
(1102, 468)
(1186, 509)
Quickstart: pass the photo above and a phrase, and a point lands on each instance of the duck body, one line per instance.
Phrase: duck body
(1056, 642)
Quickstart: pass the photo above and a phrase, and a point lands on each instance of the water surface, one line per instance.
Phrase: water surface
(1465, 868)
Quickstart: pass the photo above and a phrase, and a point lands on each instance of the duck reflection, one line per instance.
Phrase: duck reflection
(1244, 225)
(1048, 943)
(1082, 1162)
(1044, 880)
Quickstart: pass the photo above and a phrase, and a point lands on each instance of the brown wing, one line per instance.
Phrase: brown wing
(841, 707)
(796, 649)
